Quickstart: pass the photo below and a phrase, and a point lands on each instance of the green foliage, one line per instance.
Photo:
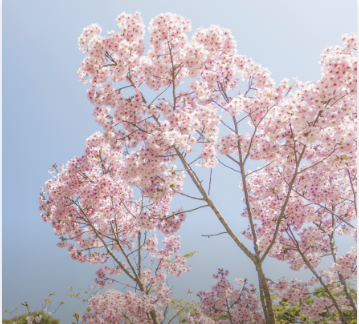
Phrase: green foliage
(45, 318)
(21, 319)
(287, 313)
(190, 254)
(177, 309)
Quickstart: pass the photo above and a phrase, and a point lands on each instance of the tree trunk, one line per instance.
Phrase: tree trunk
(266, 299)
(152, 312)
(335, 257)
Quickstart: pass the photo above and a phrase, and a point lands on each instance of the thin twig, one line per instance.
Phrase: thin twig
(259, 169)
(159, 95)
(208, 235)
(227, 166)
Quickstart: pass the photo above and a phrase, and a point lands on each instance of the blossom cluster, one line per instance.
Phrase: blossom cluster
(225, 304)
(31, 318)
(114, 305)
(296, 291)
(90, 196)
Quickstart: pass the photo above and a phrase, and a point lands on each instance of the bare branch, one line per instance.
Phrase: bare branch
(233, 159)
(210, 181)
(354, 193)
(130, 86)
(284, 205)
(159, 95)
(258, 169)
(213, 207)
(189, 196)
(208, 235)
(226, 125)
(182, 212)
(227, 166)
(319, 161)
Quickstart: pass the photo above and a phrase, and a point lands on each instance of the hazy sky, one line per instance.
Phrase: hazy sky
(47, 118)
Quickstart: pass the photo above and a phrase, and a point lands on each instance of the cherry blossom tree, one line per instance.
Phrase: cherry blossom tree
(296, 204)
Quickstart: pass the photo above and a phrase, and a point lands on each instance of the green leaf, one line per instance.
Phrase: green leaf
(190, 254)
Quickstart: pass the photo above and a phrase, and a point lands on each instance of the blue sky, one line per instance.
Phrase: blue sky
(47, 118)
